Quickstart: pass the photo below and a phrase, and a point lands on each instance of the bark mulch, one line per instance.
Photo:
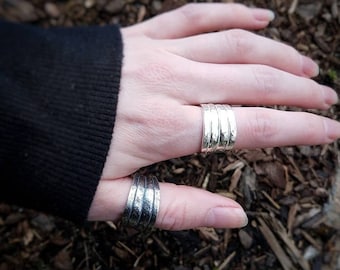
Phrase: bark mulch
(289, 193)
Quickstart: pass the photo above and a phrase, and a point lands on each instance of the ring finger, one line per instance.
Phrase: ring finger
(256, 128)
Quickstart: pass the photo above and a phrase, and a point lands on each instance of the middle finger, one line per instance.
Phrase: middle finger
(248, 85)
(242, 47)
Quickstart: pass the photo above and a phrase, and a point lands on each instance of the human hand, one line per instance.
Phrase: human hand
(171, 65)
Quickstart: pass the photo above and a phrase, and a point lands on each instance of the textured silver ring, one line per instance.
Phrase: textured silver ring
(143, 202)
(219, 128)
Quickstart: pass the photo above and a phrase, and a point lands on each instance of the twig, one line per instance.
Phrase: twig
(299, 175)
(138, 260)
(311, 240)
(270, 199)
(161, 245)
(225, 263)
(127, 248)
(275, 246)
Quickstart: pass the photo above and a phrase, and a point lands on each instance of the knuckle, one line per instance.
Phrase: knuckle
(237, 8)
(292, 55)
(173, 217)
(265, 79)
(315, 128)
(170, 221)
(192, 12)
(238, 40)
(262, 127)
(156, 73)
(152, 121)
(165, 118)
(317, 91)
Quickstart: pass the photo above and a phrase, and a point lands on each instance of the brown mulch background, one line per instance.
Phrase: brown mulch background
(284, 190)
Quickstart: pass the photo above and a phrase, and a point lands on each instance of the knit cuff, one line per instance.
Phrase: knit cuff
(59, 97)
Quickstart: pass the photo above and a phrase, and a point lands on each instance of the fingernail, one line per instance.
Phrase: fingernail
(330, 96)
(309, 67)
(226, 217)
(261, 14)
(332, 128)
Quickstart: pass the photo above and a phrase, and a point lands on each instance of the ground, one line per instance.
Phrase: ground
(284, 190)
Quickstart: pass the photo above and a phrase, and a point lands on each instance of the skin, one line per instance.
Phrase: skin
(170, 66)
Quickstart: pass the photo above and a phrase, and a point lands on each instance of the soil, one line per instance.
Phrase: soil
(285, 191)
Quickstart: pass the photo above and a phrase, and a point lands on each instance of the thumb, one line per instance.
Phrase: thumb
(184, 207)
(181, 207)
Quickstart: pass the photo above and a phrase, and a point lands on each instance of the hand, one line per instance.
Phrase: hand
(171, 65)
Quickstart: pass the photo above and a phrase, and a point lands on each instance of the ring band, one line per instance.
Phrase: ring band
(219, 128)
(143, 202)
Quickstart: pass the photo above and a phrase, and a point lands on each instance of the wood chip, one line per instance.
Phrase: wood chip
(161, 245)
(276, 173)
(282, 257)
(111, 225)
(245, 238)
(235, 178)
(270, 199)
(293, 6)
(224, 265)
(141, 13)
(311, 240)
(322, 44)
(206, 181)
(291, 217)
(291, 248)
(233, 166)
(332, 209)
(52, 10)
(208, 234)
(248, 186)
(298, 175)
(202, 251)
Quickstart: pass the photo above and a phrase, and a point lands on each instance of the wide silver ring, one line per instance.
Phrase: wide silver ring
(143, 202)
(219, 128)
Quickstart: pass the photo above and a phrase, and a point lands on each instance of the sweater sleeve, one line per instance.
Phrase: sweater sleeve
(58, 97)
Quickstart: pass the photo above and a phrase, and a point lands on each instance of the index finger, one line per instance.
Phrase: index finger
(194, 19)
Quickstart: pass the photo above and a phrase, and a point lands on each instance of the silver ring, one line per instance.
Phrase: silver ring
(143, 202)
(219, 128)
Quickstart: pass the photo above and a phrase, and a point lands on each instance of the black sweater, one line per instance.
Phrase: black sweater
(58, 97)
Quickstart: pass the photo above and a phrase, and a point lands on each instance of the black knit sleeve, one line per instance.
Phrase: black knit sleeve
(58, 97)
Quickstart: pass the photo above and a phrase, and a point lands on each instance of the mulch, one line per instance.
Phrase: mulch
(285, 191)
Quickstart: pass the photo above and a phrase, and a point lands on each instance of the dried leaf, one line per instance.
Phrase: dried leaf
(275, 173)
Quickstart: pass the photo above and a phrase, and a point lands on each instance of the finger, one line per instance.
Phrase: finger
(193, 19)
(181, 133)
(261, 128)
(185, 207)
(248, 85)
(181, 207)
(242, 47)
(256, 128)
